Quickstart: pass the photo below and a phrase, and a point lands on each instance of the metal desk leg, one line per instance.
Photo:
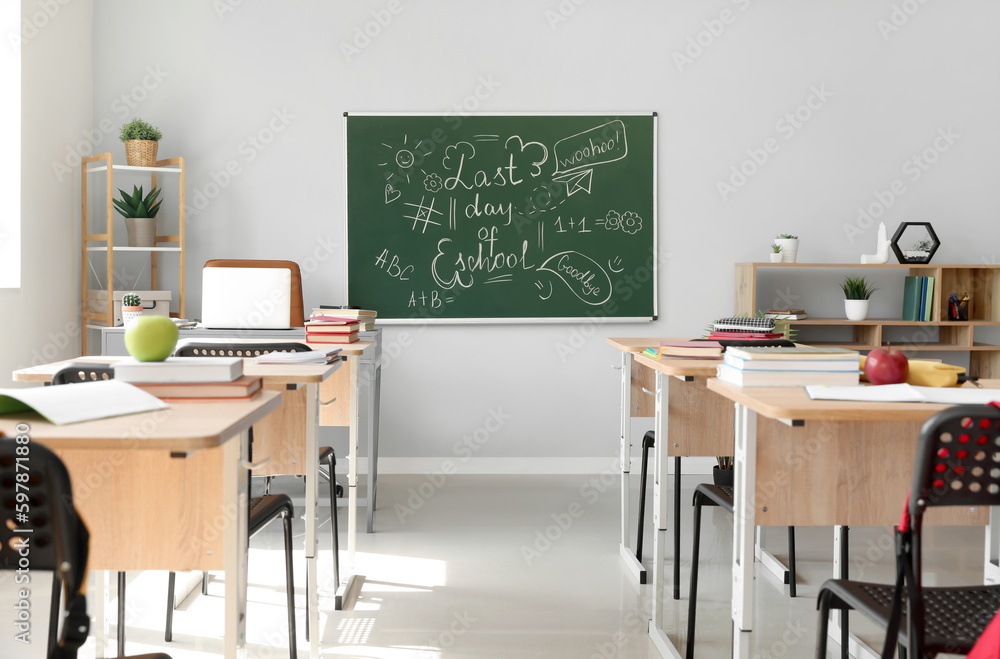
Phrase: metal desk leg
(743, 520)
(677, 525)
(660, 491)
(372, 432)
(625, 458)
(235, 497)
(991, 571)
(353, 363)
(102, 600)
(312, 499)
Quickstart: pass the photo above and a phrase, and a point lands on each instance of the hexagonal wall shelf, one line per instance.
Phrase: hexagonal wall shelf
(918, 244)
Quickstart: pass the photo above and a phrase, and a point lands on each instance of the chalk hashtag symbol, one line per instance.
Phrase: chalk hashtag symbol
(22, 518)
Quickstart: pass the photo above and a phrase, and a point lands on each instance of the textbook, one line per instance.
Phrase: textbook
(727, 373)
(703, 349)
(327, 356)
(847, 364)
(180, 369)
(83, 401)
(242, 387)
(798, 352)
(350, 337)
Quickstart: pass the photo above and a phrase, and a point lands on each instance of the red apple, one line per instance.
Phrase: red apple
(886, 366)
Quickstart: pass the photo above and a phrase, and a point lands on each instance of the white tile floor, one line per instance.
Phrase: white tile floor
(466, 570)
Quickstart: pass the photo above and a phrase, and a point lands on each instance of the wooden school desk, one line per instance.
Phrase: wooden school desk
(700, 426)
(125, 473)
(284, 443)
(823, 463)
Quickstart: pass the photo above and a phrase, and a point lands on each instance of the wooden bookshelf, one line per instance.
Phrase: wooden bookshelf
(982, 282)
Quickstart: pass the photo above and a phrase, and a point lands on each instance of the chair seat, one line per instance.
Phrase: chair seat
(715, 495)
(264, 509)
(954, 617)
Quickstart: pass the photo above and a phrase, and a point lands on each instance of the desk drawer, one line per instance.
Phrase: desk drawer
(335, 396)
(281, 435)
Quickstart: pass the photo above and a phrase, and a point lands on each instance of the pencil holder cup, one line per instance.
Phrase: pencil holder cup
(958, 308)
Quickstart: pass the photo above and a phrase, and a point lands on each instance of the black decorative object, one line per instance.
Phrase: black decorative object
(923, 245)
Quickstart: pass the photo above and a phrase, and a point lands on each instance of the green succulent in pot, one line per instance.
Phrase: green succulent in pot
(135, 205)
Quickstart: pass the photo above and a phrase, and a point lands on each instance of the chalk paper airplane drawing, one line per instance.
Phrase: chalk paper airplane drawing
(577, 155)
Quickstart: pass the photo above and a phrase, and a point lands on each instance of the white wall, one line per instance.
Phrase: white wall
(275, 66)
(41, 320)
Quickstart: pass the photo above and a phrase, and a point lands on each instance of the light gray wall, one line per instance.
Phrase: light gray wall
(41, 320)
(278, 70)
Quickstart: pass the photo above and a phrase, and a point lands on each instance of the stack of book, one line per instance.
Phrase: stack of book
(786, 314)
(190, 378)
(789, 367)
(365, 318)
(918, 296)
(744, 328)
(331, 329)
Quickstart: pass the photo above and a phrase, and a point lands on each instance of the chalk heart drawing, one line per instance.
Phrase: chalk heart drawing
(391, 194)
(584, 276)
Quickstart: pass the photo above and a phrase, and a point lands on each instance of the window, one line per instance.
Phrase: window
(10, 145)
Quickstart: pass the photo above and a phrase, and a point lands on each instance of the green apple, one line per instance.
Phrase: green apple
(151, 338)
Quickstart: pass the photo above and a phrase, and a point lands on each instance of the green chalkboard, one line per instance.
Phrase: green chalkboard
(502, 217)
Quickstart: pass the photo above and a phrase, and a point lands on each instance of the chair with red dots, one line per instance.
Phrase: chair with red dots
(957, 464)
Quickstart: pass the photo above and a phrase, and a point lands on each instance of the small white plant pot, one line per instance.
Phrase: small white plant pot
(856, 309)
(130, 315)
(789, 249)
(775, 258)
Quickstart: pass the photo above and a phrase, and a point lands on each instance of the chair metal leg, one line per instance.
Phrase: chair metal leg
(290, 586)
(791, 561)
(824, 624)
(646, 445)
(693, 594)
(333, 518)
(677, 528)
(168, 633)
(845, 633)
(121, 614)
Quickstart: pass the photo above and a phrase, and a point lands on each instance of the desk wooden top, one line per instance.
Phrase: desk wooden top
(794, 403)
(183, 427)
(633, 344)
(271, 373)
(667, 365)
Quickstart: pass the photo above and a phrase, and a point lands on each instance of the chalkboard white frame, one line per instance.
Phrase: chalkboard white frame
(424, 319)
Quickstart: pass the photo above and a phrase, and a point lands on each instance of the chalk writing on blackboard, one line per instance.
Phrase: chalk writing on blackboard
(541, 215)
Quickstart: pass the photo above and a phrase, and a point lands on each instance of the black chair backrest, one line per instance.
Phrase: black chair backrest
(83, 372)
(237, 349)
(958, 460)
(35, 494)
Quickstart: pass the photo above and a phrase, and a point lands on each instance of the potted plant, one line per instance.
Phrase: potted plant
(776, 253)
(131, 309)
(140, 215)
(789, 246)
(141, 141)
(857, 292)
(722, 473)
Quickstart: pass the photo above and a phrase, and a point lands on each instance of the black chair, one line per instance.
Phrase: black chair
(649, 442)
(262, 511)
(957, 464)
(326, 455)
(58, 540)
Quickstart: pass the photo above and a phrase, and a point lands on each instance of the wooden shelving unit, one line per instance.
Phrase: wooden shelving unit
(104, 241)
(981, 281)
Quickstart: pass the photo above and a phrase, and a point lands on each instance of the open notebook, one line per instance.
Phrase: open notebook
(84, 401)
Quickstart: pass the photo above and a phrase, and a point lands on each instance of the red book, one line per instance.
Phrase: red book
(332, 328)
(764, 336)
(241, 388)
(331, 320)
(313, 337)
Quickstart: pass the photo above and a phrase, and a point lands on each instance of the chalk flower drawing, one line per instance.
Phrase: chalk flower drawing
(433, 183)
(631, 222)
(612, 220)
